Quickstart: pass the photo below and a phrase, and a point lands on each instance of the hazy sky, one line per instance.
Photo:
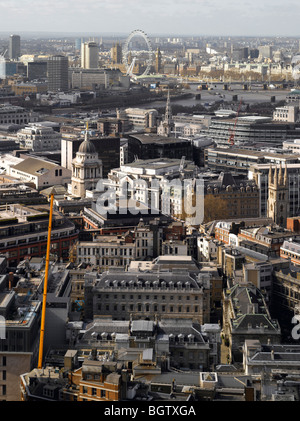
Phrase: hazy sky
(195, 17)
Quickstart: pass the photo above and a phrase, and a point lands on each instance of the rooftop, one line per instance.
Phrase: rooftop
(152, 138)
(35, 166)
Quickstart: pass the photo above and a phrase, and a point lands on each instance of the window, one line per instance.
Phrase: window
(94, 391)
(103, 393)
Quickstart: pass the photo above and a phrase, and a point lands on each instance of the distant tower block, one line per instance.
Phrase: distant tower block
(14, 49)
(58, 73)
(89, 55)
(278, 195)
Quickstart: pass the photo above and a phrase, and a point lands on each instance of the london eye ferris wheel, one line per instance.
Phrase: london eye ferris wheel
(149, 59)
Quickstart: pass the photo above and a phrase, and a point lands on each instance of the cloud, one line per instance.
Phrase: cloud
(154, 16)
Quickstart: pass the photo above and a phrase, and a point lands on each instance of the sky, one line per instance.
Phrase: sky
(169, 17)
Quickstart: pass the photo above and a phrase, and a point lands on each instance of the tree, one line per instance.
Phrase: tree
(215, 208)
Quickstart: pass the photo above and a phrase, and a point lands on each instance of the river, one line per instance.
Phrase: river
(253, 96)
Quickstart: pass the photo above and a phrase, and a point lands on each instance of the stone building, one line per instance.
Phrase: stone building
(106, 251)
(176, 343)
(286, 294)
(278, 197)
(39, 138)
(154, 294)
(240, 196)
(246, 316)
(86, 169)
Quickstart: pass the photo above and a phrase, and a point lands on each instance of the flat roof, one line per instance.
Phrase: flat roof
(147, 138)
(259, 154)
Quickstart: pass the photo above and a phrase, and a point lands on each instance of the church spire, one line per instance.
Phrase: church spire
(280, 179)
(285, 179)
(270, 175)
(275, 177)
(168, 114)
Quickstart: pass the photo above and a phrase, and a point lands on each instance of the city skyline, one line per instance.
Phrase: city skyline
(198, 17)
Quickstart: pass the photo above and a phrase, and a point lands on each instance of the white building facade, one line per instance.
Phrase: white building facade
(38, 138)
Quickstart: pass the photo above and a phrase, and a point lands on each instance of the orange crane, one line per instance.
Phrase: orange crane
(42, 331)
(232, 134)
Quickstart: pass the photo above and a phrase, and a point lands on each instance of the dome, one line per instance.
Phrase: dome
(87, 147)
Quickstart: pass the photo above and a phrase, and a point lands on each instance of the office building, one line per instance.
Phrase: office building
(58, 76)
(246, 317)
(150, 181)
(151, 146)
(265, 51)
(12, 114)
(140, 118)
(89, 55)
(14, 49)
(25, 232)
(241, 160)
(36, 70)
(41, 172)
(287, 113)
(91, 79)
(169, 294)
(240, 196)
(259, 356)
(108, 149)
(251, 130)
(37, 137)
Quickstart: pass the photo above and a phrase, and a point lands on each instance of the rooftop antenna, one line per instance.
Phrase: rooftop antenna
(42, 332)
